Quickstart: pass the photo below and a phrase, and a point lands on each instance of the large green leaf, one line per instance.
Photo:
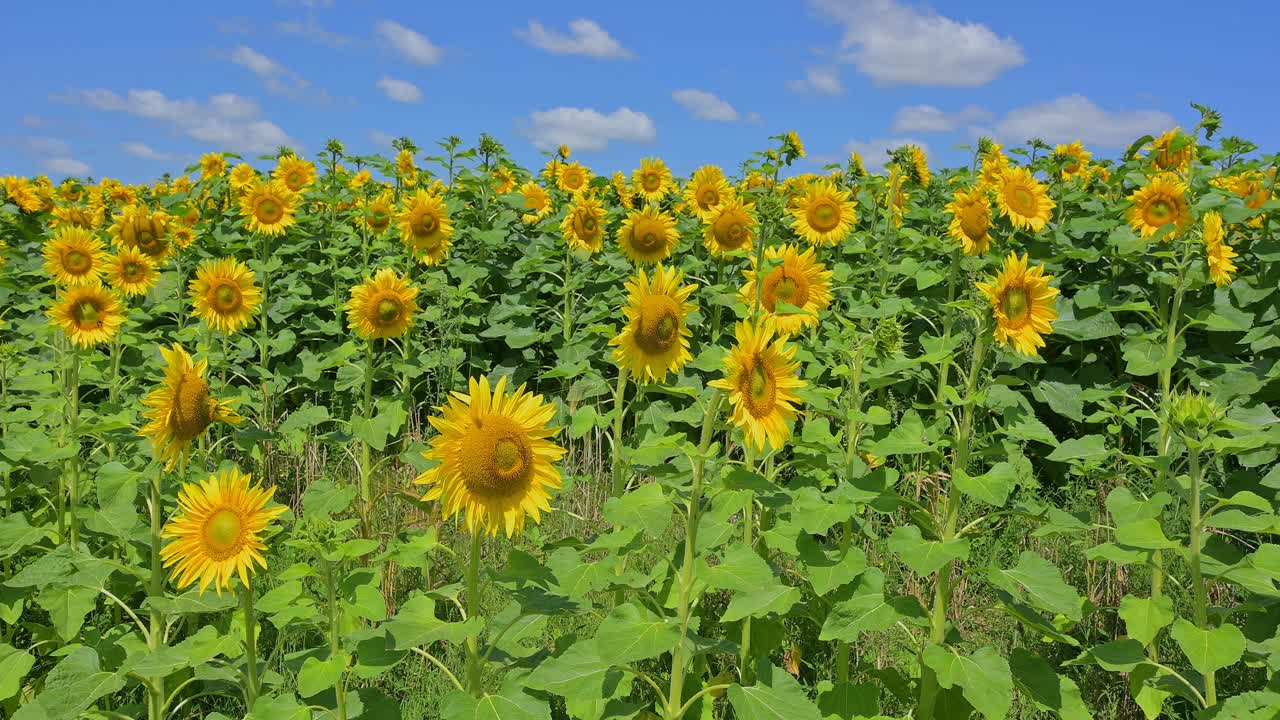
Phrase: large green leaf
(1039, 582)
(983, 677)
(775, 696)
(1208, 650)
(859, 608)
(1145, 617)
(14, 664)
(645, 507)
(925, 557)
(416, 624)
(511, 704)
(71, 687)
(631, 633)
(992, 487)
(1050, 691)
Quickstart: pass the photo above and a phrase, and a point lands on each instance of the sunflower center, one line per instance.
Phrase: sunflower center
(77, 262)
(787, 286)
(227, 298)
(1071, 168)
(650, 182)
(824, 216)
(87, 314)
(975, 222)
(269, 211)
(426, 225)
(658, 324)
(730, 231)
(131, 272)
(191, 414)
(1015, 304)
(222, 530)
(294, 180)
(710, 197)
(388, 311)
(1159, 212)
(587, 225)
(758, 387)
(1022, 200)
(496, 458)
(572, 181)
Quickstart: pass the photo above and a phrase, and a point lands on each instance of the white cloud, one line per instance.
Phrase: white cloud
(817, 81)
(1075, 117)
(896, 44)
(585, 37)
(277, 78)
(145, 151)
(64, 166)
(380, 138)
(705, 105)
(929, 119)
(53, 155)
(587, 129)
(874, 153)
(412, 45)
(46, 146)
(312, 31)
(400, 90)
(31, 121)
(226, 121)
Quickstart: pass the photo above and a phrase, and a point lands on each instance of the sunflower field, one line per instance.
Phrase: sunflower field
(439, 436)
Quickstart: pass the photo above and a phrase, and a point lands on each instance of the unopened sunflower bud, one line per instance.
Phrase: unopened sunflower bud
(1194, 414)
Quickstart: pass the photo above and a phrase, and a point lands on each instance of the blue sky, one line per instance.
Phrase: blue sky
(92, 88)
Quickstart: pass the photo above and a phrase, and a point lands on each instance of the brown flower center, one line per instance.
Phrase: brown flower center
(657, 327)
(1016, 305)
(223, 530)
(824, 216)
(496, 458)
(758, 387)
(191, 413)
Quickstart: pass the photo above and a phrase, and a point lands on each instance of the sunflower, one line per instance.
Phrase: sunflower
(792, 144)
(1022, 303)
(70, 190)
(760, 377)
(794, 278)
(1217, 252)
(824, 215)
(242, 176)
(425, 227)
(919, 169)
(706, 191)
(1163, 202)
(971, 220)
(22, 193)
(140, 227)
(648, 236)
(77, 216)
(212, 165)
(495, 459)
(1075, 160)
(131, 272)
(505, 180)
(994, 163)
(3, 246)
(573, 178)
(655, 337)
(217, 533)
(88, 314)
(536, 201)
(563, 152)
(181, 408)
(183, 237)
(896, 199)
(268, 207)
(294, 172)
(406, 169)
(74, 257)
(359, 180)
(382, 306)
(731, 227)
(182, 184)
(652, 179)
(378, 212)
(225, 294)
(583, 226)
(1164, 157)
(855, 168)
(1023, 199)
(1251, 187)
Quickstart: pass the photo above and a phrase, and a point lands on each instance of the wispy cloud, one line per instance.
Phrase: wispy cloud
(226, 121)
(585, 37)
(586, 128)
(705, 105)
(409, 44)
(400, 90)
(818, 81)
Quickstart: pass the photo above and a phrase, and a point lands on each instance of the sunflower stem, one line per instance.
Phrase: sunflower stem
(948, 322)
(1201, 600)
(620, 411)
(473, 610)
(155, 635)
(73, 461)
(335, 647)
(251, 682)
(567, 315)
(113, 388)
(366, 472)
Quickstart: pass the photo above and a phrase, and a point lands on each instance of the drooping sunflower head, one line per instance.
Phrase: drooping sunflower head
(1171, 151)
(426, 228)
(760, 375)
(537, 203)
(131, 272)
(212, 165)
(75, 257)
(225, 294)
(563, 152)
(971, 220)
(359, 180)
(824, 215)
(496, 459)
(1023, 199)
(1074, 159)
(792, 145)
(573, 178)
(242, 176)
(181, 408)
(654, 340)
(652, 179)
(793, 287)
(1022, 303)
(294, 172)
(88, 314)
(994, 163)
(406, 167)
(648, 236)
(855, 168)
(730, 227)
(383, 306)
(1218, 254)
(1161, 204)
(584, 225)
(79, 216)
(919, 166)
(707, 190)
(378, 212)
(504, 180)
(268, 207)
(140, 227)
(217, 532)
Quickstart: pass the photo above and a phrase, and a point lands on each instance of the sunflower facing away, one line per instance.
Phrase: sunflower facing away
(268, 207)
(648, 236)
(1164, 157)
(706, 191)
(583, 226)
(652, 179)
(88, 314)
(994, 163)
(971, 220)
(378, 212)
(730, 227)
(1163, 202)
(1022, 303)
(655, 337)
(181, 408)
(824, 215)
(131, 272)
(212, 165)
(1217, 252)
(217, 532)
(1251, 187)
(1075, 160)
(504, 180)
(77, 216)
(795, 278)
(760, 377)
(496, 461)
(919, 165)
(406, 168)
(537, 202)
(1023, 199)
(573, 178)
(74, 257)
(382, 306)
(139, 227)
(294, 172)
(425, 227)
(225, 294)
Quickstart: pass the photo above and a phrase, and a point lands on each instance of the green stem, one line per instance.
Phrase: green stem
(620, 410)
(1199, 588)
(567, 315)
(335, 648)
(155, 636)
(948, 322)
(366, 472)
(113, 388)
(251, 682)
(473, 610)
(73, 461)
(748, 528)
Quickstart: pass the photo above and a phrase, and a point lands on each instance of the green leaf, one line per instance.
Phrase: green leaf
(925, 557)
(848, 701)
(772, 599)
(1039, 582)
(1145, 617)
(1145, 534)
(632, 633)
(324, 498)
(416, 624)
(278, 707)
(775, 696)
(992, 487)
(983, 677)
(1208, 650)
(907, 438)
(859, 609)
(741, 568)
(73, 686)
(14, 665)
(578, 671)
(317, 675)
(1090, 448)
(1050, 691)
(646, 507)
(512, 704)
(67, 607)
(827, 571)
